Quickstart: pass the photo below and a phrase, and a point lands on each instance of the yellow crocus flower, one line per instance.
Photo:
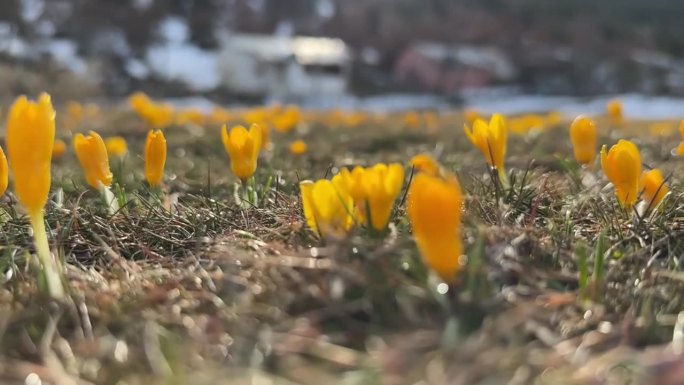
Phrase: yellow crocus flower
(326, 207)
(434, 210)
(490, 139)
(155, 157)
(116, 146)
(425, 163)
(58, 149)
(29, 141)
(4, 172)
(583, 139)
(298, 147)
(92, 155)
(680, 149)
(622, 166)
(654, 187)
(470, 115)
(382, 184)
(614, 111)
(243, 149)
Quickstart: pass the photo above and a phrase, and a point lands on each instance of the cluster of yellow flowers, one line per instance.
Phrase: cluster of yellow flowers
(362, 196)
(621, 164)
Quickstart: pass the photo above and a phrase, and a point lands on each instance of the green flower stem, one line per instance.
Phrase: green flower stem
(50, 266)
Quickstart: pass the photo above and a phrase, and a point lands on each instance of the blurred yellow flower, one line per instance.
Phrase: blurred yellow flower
(327, 207)
(4, 172)
(425, 163)
(30, 140)
(58, 149)
(243, 149)
(298, 147)
(470, 115)
(583, 139)
(155, 157)
(382, 184)
(490, 139)
(220, 116)
(287, 119)
(156, 115)
(614, 111)
(662, 129)
(192, 115)
(411, 120)
(434, 210)
(622, 166)
(92, 155)
(654, 187)
(680, 149)
(116, 146)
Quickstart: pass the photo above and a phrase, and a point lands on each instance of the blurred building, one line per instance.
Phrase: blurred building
(436, 67)
(284, 67)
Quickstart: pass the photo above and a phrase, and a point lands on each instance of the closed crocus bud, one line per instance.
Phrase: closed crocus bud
(4, 172)
(59, 149)
(434, 210)
(490, 139)
(155, 157)
(382, 184)
(425, 163)
(298, 147)
(327, 207)
(243, 149)
(116, 146)
(30, 140)
(622, 166)
(614, 111)
(654, 187)
(680, 149)
(583, 138)
(92, 154)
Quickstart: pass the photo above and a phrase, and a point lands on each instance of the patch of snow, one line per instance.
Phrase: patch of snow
(174, 30)
(285, 28)
(203, 104)
(15, 47)
(325, 8)
(634, 106)
(142, 5)
(46, 28)
(64, 52)
(186, 63)
(137, 69)
(31, 10)
(378, 103)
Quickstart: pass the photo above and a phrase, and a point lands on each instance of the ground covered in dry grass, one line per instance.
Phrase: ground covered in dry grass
(561, 286)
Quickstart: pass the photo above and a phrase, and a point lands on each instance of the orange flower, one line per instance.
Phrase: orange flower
(434, 210)
(298, 147)
(155, 157)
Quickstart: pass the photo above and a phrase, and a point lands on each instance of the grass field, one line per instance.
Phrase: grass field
(187, 284)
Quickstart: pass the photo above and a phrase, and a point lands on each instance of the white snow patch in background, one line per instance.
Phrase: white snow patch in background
(203, 104)
(379, 103)
(64, 52)
(634, 106)
(186, 63)
(31, 10)
(137, 69)
(174, 30)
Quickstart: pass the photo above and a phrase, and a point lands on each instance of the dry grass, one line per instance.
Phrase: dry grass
(211, 293)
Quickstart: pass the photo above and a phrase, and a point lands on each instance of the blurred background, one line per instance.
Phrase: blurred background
(325, 53)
